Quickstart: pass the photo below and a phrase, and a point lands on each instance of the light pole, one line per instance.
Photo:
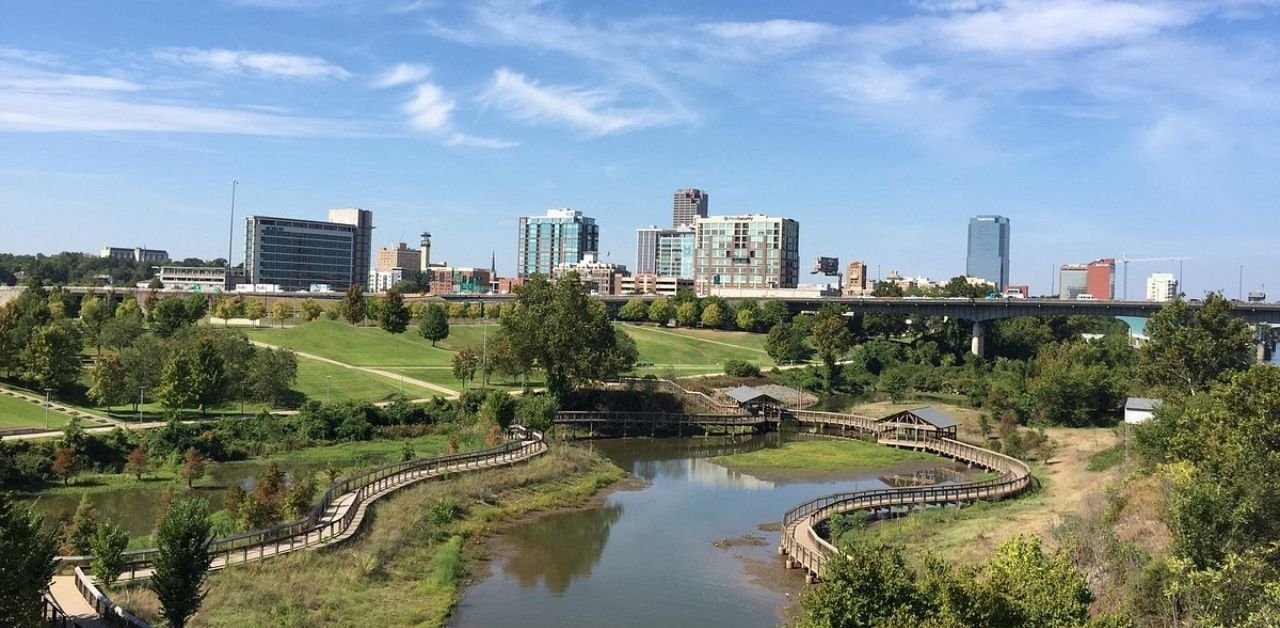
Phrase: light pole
(231, 228)
(142, 398)
(47, 391)
(328, 385)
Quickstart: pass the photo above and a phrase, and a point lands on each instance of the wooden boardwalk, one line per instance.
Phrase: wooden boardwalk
(338, 518)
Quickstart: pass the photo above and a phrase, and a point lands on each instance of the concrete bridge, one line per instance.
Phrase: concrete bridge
(74, 600)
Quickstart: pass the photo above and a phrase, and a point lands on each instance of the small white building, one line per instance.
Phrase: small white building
(1162, 287)
(1140, 409)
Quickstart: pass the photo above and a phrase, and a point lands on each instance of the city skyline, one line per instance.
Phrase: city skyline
(1111, 138)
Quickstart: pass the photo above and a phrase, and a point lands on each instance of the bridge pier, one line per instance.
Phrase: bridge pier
(1263, 353)
(978, 344)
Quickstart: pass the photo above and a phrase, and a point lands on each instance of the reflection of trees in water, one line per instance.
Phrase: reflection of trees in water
(557, 550)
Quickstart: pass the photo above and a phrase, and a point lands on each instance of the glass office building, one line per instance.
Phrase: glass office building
(675, 253)
(563, 236)
(989, 250)
(294, 253)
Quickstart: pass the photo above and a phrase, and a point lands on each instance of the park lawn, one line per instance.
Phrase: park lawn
(359, 346)
(18, 413)
(746, 340)
(661, 347)
(823, 457)
(318, 380)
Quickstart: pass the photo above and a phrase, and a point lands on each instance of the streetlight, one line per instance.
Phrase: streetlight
(328, 385)
(231, 228)
(47, 391)
(142, 398)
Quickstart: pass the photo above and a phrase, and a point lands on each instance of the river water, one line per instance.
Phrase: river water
(649, 557)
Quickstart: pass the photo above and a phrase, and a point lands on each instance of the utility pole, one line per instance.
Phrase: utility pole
(142, 395)
(231, 228)
(328, 386)
(46, 407)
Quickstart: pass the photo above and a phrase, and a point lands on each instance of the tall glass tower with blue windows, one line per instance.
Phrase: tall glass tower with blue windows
(563, 236)
(989, 250)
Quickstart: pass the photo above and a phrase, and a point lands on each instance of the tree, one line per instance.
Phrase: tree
(273, 373)
(64, 464)
(310, 308)
(1189, 349)
(746, 320)
(182, 559)
(661, 311)
(560, 330)
(774, 312)
(28, 551)
(434, 325)
(785, 345)
(280, 312)
(94, 315)
(255, 310)
(713, 315)
(1080, 383)
(297, 500)
(865, 586)
(110, 382)
(137, 462)
(51, 358)
(193, 465)
(831, 337)
(1044, 590)
(120, 333)
(633, 310)
(499, 408)
(893, 383)
(129, 310)
(168, 316)
(197, 307)
(538, 411)
(465, 364)
(394, 316)
(353, 307)
(83, 527)
(687, 313)
(107, 547)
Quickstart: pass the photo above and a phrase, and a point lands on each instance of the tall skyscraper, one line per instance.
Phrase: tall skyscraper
(295, 253)
(647, 249)
(562, 236)
(746, 252)
(989, 250)
(1162, 287)
(689, 205)
(676, 253)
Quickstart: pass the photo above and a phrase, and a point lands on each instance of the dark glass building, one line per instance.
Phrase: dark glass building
(295, 254)
(989, 250)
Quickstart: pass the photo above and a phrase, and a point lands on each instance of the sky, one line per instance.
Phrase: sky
(1100, 128)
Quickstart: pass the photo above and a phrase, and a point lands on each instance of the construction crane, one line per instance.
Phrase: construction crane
(1125, 260)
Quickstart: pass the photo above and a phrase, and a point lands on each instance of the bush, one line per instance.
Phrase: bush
(741, 368)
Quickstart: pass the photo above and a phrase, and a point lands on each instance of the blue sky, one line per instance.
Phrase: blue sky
(1100, 128)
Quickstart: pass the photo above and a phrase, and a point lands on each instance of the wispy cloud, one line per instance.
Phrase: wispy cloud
(786, 33)
(402, 74)
(274, 64)
(429, 109)
(1020, 26)
(589, 110)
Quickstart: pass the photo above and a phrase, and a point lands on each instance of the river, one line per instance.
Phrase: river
(650, 556)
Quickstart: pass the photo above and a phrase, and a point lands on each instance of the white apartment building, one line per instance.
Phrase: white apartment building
(1162, 287)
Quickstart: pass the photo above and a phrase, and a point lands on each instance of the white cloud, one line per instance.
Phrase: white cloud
(585, 109)
(430, 108)
(1177, 134)
(471, 141)
(1021, 26)
(253, 62)
(52, 82)
(402, 74)
(788, 33)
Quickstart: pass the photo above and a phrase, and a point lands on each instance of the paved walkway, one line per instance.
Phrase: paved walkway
(447, 393)
(326, 532)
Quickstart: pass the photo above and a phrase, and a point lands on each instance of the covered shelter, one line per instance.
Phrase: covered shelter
(754, 400)
(917, 424)
(1140, 409)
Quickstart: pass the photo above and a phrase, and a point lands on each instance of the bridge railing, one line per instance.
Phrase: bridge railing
(701, 399)
(857, 421)
(52, 615)
(665, 418)
(109, 611)
(1015, 478)
(319, 527)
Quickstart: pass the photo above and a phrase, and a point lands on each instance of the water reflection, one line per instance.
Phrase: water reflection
(558, 549)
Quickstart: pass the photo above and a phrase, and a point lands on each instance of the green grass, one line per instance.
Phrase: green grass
(687, 348)
(824, 456)
(1106, 458)
(743, 339)
(318, 380)
(15, 413)
(359, 346)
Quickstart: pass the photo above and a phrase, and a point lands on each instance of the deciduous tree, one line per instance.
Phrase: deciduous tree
(1188, 350)
(51, 358)
(28, 551)
(107, 548)
(394, 316)
(353, 307)
(434, 325)
(182, 559)
(661, 311)
(193, 465)
(110, 382)
(633, 310)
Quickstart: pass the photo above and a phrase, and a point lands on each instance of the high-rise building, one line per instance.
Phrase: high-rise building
(399, 257)
(689, 205)
(362, 220)
(989, 250)
(855, 279)
(746, 252)
(1100, 279)
(294, 253)
(1162, 287)
(676, 253)
(1073, 281)
(647, 249)
(562, 236)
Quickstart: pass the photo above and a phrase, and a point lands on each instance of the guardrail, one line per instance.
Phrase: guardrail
(109, 611)
(317, 529)
(799, 524)
(52, 615)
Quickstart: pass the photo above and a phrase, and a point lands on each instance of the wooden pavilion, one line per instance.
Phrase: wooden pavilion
(917, 424)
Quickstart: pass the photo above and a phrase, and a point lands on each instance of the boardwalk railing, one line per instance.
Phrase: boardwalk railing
(109, 611)
(52, 615)
(322, 525)
(805, 547)
(701, 400)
